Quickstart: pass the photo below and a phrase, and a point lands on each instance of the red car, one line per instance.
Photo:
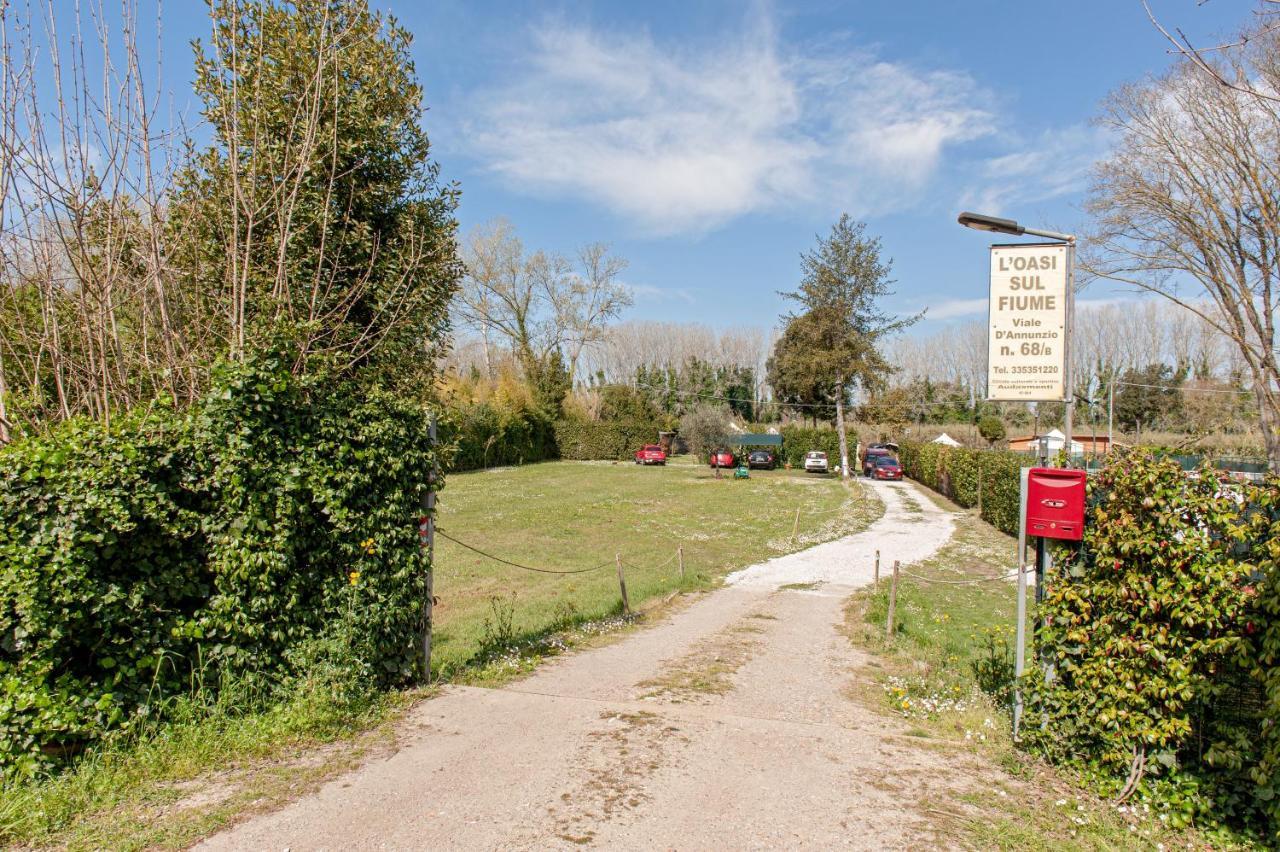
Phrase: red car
(722, 458)
(651, 454)
(885, 467)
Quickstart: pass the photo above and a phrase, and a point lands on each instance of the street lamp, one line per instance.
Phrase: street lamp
(996, 225)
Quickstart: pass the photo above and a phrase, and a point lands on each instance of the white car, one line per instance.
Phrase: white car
(815, 462)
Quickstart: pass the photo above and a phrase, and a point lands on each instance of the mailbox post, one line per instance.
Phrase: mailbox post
(1052, 504)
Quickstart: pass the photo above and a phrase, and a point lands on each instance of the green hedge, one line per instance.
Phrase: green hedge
(798, 440)
(167, 553)
(956, 473)
(591, 440)
(485, 435)
(1163, 633)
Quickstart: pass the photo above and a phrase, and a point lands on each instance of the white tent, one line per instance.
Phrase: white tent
(1057, 440)
(946, 440)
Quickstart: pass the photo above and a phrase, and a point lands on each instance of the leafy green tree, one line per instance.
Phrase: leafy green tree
(797, 374)
(1149, 398)
(315, 214)
(991, 428)
(623, 402)
(836, 333)
(704, 428)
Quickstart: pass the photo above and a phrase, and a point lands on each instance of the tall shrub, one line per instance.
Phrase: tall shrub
(166, 552)
(970, 478)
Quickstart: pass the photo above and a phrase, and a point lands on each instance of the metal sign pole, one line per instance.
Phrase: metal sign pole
(1069, 416)
(1020, 657)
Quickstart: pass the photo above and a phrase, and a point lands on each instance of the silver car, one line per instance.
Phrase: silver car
(815, 461)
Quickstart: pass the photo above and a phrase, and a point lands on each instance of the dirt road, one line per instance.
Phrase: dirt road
(726, 726)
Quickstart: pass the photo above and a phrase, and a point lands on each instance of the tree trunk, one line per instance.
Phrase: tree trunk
(1269, 420)
(844, 441)
(4, 412)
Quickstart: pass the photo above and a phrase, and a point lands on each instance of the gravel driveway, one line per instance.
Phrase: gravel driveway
(728, 725)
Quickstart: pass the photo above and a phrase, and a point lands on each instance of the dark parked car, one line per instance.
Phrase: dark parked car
(722, 458)
(762, 459)
(651, 454)
(886, 467)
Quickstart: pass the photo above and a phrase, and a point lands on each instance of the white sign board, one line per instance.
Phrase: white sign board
(1027, 329)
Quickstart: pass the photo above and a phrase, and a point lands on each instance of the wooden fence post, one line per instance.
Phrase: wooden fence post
(795, 528)
(893, 602)
(427, 541)
(680, 554)
(979, 486)
(622, 585)
(877, 567)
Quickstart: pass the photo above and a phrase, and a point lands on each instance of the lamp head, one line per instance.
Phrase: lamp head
(981, 222)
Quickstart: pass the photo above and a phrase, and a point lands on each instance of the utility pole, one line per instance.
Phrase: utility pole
(1111, 407)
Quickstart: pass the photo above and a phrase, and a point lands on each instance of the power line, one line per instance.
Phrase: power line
(703, 395)
(1182, 388)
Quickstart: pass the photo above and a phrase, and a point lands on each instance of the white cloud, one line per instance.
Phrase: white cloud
(952, 308)
(1054, 164)
(648, 292)
(678, 139)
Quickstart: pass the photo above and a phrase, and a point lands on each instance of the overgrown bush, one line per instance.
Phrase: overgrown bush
(487, 435)
(591, 440)
(167, 552)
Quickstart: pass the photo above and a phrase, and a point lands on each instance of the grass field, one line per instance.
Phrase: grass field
(567, 516)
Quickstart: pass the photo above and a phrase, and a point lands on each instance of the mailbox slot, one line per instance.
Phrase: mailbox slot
(1055, 503)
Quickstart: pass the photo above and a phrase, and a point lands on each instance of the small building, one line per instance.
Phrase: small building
(1081, 444)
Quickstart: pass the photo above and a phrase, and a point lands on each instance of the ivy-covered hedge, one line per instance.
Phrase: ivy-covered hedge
(1163, 633)
(798, 440)
(1164, 639)
(592, 440)
(167, 552)
(957, 473)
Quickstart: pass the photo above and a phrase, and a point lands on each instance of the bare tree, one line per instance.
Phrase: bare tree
(493, 256)
(593, 300)
(537, 304)
(1191, 196)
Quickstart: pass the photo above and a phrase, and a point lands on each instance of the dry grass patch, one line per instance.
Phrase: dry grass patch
(706, 670)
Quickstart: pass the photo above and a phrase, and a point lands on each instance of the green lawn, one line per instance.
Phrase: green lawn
(572, 515)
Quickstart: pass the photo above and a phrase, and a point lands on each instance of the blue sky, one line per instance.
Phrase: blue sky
(711, 142)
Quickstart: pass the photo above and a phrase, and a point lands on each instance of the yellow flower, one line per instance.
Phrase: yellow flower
(368, 546)
(354, 577)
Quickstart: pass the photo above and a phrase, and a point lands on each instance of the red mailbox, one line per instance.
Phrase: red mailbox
(1055, 503)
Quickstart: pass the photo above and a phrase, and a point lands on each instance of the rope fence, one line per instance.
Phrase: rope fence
(617, 562)
(487, 555)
